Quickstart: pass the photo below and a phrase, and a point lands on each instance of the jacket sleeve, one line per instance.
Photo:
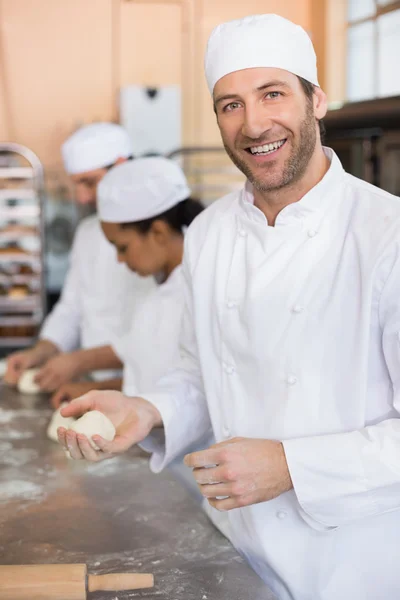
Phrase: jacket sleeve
(346, 476)
(180, 396)
(63, 325)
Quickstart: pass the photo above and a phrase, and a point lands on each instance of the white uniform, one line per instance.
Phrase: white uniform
(151, 349)
(98, 296)
(292, 333)
(151, 346)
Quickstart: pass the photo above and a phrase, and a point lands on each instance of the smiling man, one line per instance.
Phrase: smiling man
(290, 343)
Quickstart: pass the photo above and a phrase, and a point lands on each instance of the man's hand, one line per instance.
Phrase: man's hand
(58, 371)
(18, 362)
(240, 472)
(133, 419)
(70, 391)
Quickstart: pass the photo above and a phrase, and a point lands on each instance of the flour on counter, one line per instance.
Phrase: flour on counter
(20, 489)
(18, 457)
(5, 447)
(110, 466)
(7, 415)
(14, 434)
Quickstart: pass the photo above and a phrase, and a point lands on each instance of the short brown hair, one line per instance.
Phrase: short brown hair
(309, 90)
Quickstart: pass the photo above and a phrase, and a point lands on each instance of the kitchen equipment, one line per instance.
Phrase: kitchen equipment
(22, 283)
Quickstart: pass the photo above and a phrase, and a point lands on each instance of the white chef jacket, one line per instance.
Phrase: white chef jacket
(151, 346)
(292, 333)
(98, 296)
(150, 349)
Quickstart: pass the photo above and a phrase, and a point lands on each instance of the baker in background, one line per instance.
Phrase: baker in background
(99, 294)
(145, 207)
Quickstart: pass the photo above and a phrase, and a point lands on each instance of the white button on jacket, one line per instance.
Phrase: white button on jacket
(98, 296)
(340, 423)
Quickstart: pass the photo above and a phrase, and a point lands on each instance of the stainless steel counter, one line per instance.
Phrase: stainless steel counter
(113, 516)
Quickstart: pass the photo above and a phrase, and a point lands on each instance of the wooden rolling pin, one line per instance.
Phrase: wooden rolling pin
(63, 582)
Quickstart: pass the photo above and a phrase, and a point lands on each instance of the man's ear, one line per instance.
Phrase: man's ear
(320, 102)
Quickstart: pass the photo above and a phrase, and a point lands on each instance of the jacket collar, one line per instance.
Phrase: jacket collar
(317, 200)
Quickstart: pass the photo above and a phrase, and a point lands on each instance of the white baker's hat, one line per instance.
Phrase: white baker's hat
(259, 41)
(95, 146)
(140, 189)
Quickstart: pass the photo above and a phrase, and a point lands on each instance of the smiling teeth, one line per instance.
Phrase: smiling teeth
(267, 148)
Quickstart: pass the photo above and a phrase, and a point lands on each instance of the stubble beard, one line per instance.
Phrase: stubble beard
(294, 167)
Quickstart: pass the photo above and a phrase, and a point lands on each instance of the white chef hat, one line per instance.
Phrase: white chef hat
(95, 146)
(259, 41)
(140, 189)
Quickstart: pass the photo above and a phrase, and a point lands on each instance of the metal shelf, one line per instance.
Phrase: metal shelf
(18, 321)
(17, 279)
(28, 303)
(18, 233)
(19, 257)
(209, 171)
(21, 183)
(16, 342)
(17, 194)
(19, 212)
(16, 172)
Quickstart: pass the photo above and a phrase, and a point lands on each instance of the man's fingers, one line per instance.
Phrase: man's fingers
(79, 406)
(204, 458)
(214, 455)
(11, 379)
(59, 397)
(233, 501)
(61, 433)
(208, 476)
(13, 373)
(119, 444)
(42, 374)
(224, 503)
(73, 446)
(46, 380)
(215, 490)
(87, 451)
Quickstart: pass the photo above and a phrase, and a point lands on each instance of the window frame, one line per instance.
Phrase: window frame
(380, 10)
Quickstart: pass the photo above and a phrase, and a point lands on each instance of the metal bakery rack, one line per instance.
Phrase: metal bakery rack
(209, 171)
(22, 281)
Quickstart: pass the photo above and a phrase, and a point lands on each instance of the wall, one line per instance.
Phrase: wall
(57, 64)
(63, 61)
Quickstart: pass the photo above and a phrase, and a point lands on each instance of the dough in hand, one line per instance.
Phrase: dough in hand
(3, 367)
(57, 420)
(94, 423)
(26, 384)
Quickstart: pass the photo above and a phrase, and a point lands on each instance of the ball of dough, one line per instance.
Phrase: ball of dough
(94, 423)
(57, 420)
(26, 384)
(3, 367)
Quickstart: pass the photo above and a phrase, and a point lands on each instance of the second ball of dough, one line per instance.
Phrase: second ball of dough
(94, 423)
(26, 383)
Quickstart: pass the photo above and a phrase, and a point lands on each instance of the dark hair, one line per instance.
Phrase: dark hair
(309, 90)
(108, 167)
(179, 216)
